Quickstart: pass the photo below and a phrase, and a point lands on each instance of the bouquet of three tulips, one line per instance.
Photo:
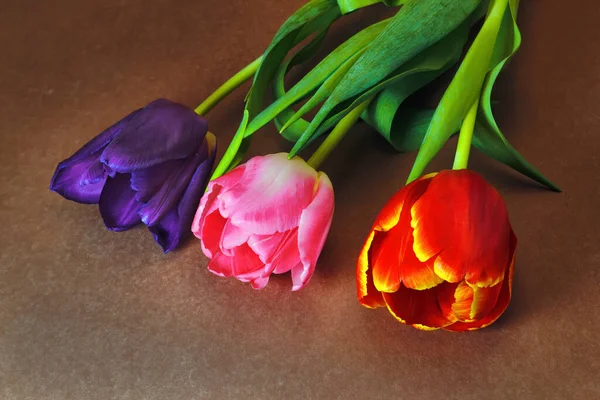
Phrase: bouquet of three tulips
(440, 254)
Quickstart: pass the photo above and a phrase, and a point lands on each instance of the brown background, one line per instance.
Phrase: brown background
(91, 314)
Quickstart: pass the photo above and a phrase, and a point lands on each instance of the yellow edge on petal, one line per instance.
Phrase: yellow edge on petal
(428, 176)
(394, 314)
(392, 221)
(440, 268)
(424, 328)
(363, 266)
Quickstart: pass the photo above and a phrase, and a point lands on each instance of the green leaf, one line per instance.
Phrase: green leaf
(347, 6)
(232, 150)
(313, 18)
(408, 128)
(416, 26)
(427, 66)
(462, 91)
(328, 67)
(487, 136)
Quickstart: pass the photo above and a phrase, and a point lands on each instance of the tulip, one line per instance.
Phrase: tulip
(268, 216)
(151, 167)
(440, 254)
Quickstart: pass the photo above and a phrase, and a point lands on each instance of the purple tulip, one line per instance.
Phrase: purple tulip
(152, 167)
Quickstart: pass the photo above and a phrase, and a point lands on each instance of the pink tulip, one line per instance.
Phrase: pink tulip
(270, 215)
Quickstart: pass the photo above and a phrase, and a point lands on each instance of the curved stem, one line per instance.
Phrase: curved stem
(229, 86)
(336, 135)
(463, 148)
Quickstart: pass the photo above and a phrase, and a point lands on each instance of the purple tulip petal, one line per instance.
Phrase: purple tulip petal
(81, 177)
(166, 231)
(82, 181)
(176, 224)
(147, 182)
(161, 131)
(118, 205)
(172, 186)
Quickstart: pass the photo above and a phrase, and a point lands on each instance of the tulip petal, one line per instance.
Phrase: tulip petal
(259, 283)
(232, 237)
(210, 233)
(502, 302)
(118, 206)
(462, 221)
(173, 185)
(271, 195)
(394, 260)
(210, 201)
(159, 132)
(147, 182)
(243, 261)
(368, 295)
(279, 252)
(390, 214)
(313, 229)
(166, 232)
(446, 299)
(175, 225)
(82, 181)
(81, 177)
(419, 308)
(473, 303)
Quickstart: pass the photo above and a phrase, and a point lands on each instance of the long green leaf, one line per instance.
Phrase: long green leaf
(347, 6)
(319, 74)
(462, 91)
(409, 126)
(420, 71)
(487, 136)
(314, 17)
(416, 26)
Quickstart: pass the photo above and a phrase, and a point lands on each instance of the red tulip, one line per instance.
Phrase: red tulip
(440, 254)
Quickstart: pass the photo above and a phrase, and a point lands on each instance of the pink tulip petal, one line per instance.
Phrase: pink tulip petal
(249, 276)
(278, 251)
(313, 229)
(271, 195)
(232, 237)
(259, 283)
(205, 208)
(241, 263)
(210, 232)
(221, 265)
(210, 201)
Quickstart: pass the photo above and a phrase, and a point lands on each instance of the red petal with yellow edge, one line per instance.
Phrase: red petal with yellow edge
(473, 303)
(501, 304)
(393, 260)
(463, 220)
(445, 293)
(419, 308)
(368, 296)
(390, 214)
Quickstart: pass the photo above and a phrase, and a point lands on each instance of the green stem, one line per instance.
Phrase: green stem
(225, 89)
(336, 135)
(463, 148)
